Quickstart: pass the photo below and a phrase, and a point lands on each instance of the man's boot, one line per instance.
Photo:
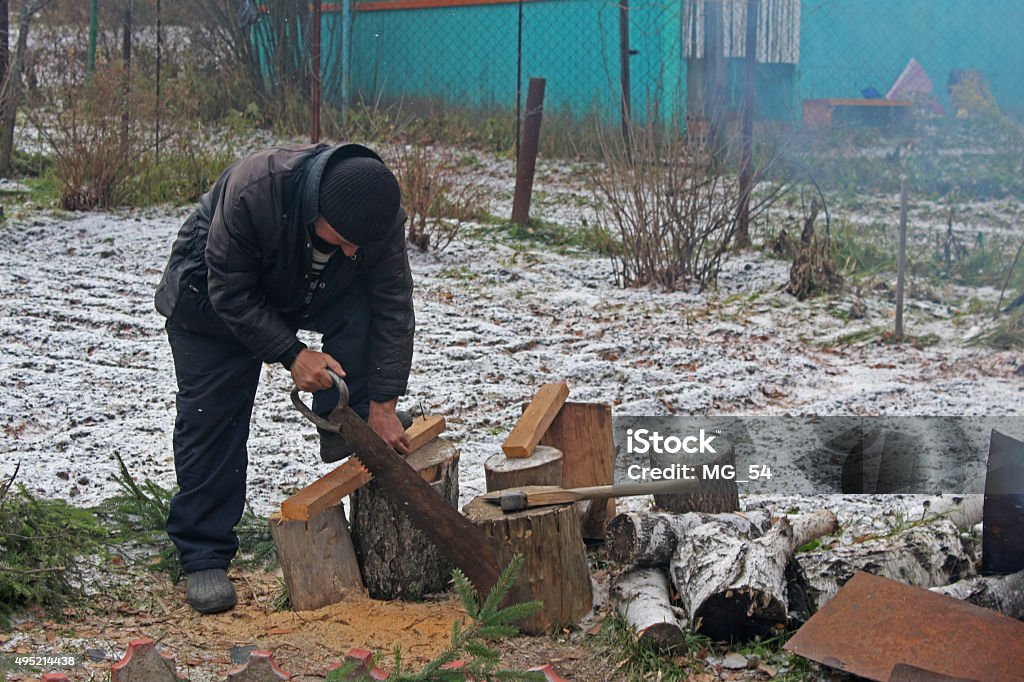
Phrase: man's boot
(211, 591)
(334, 447)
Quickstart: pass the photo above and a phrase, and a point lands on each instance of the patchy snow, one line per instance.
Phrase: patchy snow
(85, 371)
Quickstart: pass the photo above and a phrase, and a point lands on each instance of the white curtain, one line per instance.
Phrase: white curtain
(778, 30)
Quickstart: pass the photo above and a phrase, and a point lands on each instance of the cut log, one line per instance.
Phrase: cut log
(397, 561)
(964, 511)
(732, 588)
(331, 489)
(717, 496)
(1002, 593)
(642, 599)
(544, 467)
(535, 420)
(317, 558)
(555, 569)
(650, 538)
(926, 555)
(583, 433)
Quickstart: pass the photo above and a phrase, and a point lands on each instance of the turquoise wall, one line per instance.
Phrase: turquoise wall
(848, 45)
(467, 55)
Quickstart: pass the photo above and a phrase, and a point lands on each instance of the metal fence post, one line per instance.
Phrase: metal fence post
(314, 135)
(747, 152)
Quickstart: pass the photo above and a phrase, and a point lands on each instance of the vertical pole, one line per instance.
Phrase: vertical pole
(94, 10)
(747, 152)
(5, 35)
(527, 162)
(715, 75)
(519, 80)
(627, 109)
(159, 56)
(346, 42)
(901, 267)
(314, 135)
(126, 56)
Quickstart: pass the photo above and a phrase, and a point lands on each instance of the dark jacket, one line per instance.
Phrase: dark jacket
(242, 263)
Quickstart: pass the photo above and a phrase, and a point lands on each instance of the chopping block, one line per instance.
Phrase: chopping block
(555, 569)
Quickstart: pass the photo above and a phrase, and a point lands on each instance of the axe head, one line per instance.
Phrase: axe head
(513, 501)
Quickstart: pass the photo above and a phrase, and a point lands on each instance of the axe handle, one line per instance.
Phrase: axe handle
(627, 489)
(541, 496)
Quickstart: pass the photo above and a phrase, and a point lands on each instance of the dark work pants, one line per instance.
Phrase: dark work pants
(217, 379)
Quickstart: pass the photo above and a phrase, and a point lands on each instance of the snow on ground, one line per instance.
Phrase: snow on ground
(85, 371)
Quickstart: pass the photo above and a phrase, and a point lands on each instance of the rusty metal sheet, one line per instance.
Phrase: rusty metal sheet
(909, 673)
(873, 624)
(1002, 536)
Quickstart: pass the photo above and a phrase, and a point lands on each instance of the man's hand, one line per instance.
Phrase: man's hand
(385, 424)
(309, 370)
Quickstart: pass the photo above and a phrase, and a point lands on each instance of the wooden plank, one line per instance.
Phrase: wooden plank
(326, 491)
(535, 420)
(583, 432)
(329, 490)
(423, 430)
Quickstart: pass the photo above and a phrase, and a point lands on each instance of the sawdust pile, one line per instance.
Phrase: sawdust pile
(309, 641)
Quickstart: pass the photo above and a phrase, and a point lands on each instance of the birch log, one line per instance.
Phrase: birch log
(642, 599)
(1002, 593)
(925, 555)
(650, 538)
(963, 510)
(734, 588)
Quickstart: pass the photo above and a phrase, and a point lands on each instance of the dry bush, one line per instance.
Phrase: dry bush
(94, 147)
(672, 211)
(438, 199)
(101, 130)
(813, 271)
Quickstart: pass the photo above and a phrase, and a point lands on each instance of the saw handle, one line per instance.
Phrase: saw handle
(312, 416)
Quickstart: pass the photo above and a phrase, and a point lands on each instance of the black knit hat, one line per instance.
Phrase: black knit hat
(360, 198)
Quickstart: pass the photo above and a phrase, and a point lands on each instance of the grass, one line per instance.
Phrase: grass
(643, 661)
(1006, 333)
(538, 233)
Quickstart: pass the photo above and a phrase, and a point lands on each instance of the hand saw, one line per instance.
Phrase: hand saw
(456, 537)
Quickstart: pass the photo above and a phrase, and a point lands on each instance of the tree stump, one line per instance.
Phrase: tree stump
(397, 561)
(555, 569)
(543, 467)
(717, 496)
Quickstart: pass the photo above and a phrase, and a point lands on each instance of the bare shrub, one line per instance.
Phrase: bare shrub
(438, 199)
(671, 210)
(92, 145)
(101, 131)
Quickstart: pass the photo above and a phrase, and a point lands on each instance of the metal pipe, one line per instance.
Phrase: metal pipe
(901, 266)
(627, 90)
(747, 152)
(159, 58)
(314, 135)
(527, 163)
(94, 10)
